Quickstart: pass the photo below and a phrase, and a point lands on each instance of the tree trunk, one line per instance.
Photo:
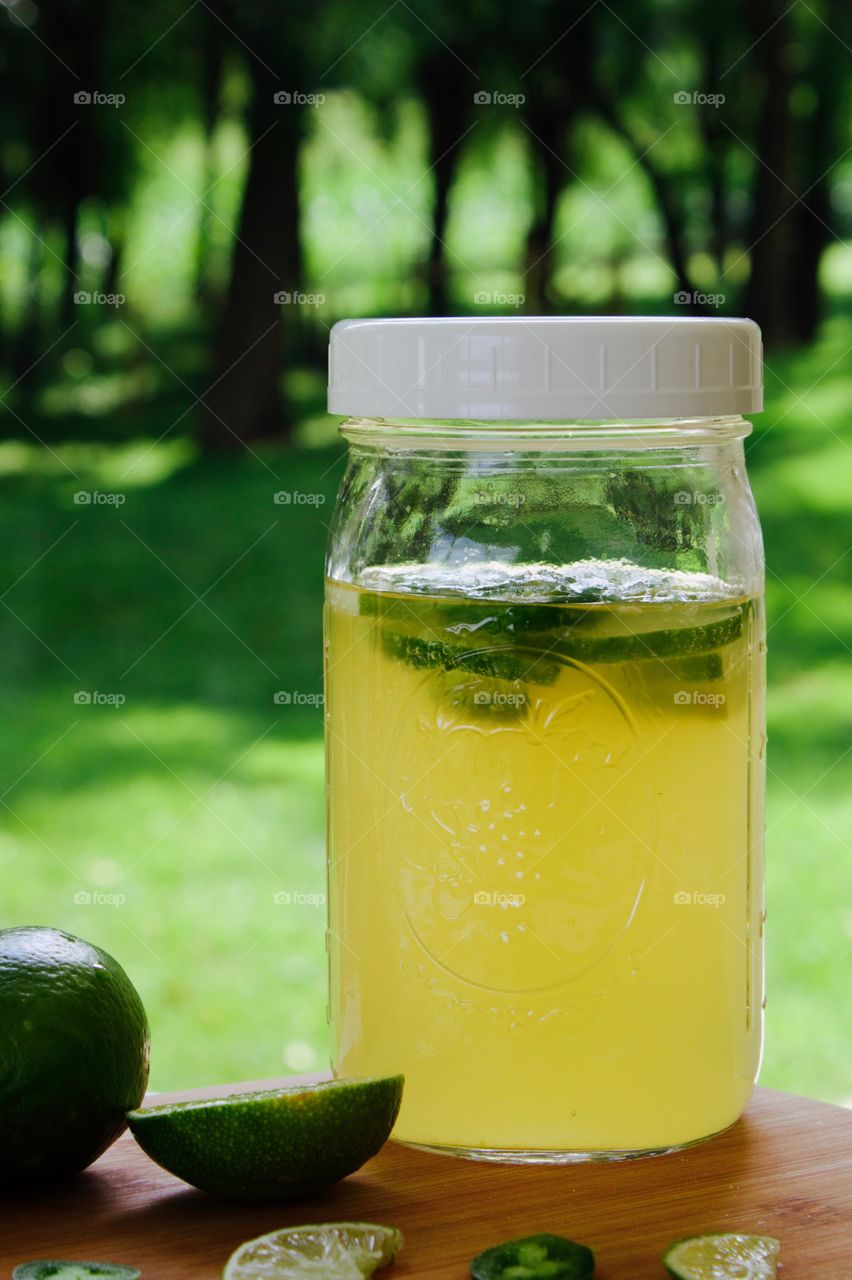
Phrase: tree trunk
(26, 345)
(538, 255)
(71, 258)
(116, 235)
(770, 298)
(211, 85)
(446, 96)
(714, 139)
(814, 214)
(246, 401)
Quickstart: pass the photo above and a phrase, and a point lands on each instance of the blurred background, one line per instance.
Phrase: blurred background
(191, 196)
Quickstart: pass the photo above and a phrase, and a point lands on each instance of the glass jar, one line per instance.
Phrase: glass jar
(545, 731)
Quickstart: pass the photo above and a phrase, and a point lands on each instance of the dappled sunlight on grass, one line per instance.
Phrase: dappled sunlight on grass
(169, 835)
(126, 465)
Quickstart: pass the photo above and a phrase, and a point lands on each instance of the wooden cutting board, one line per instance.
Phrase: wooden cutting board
(785, 1169)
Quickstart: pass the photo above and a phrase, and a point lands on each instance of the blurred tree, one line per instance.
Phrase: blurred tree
(446, 43)
(772, 231)
(823, 108)
(213, 45)
(553, 64)
(69, 148)
(245, 401)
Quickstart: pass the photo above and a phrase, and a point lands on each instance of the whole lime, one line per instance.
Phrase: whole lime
(74, 1048)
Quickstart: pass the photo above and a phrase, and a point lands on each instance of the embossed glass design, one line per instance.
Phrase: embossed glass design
(544, 665)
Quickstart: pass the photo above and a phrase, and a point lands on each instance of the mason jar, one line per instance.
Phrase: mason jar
(545, 730)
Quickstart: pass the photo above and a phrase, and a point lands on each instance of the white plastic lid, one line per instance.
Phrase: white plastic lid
(545, 368)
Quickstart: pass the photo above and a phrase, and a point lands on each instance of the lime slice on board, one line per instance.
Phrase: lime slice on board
(729, 1256)
(273, 1144)
(328, 1251)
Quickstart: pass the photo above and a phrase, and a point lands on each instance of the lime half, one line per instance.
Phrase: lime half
(273, 1144)
(329, 1251)
(723, 1257)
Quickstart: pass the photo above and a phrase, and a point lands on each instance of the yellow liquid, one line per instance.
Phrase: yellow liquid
(545, 866)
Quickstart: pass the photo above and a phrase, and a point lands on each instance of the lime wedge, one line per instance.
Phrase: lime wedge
(51, 1270)
(541, 1257)
(729, 1256)
(329, 1251)
(273, 1144)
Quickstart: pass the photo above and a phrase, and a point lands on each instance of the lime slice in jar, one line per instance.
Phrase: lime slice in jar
(638, 646)
(499, 662)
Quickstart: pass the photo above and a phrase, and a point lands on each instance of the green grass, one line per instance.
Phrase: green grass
(185, 812)
(200, 799)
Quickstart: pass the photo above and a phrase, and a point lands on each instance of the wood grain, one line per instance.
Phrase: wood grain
(785, 1169)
